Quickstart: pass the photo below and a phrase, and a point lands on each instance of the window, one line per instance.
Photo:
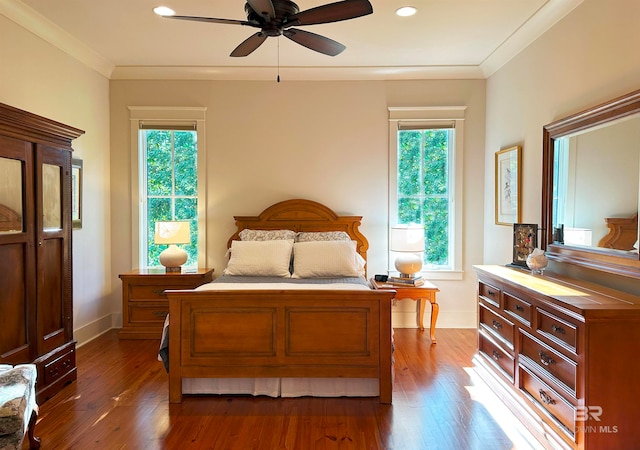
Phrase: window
(167, 181)
(168, 188)
(426, 181)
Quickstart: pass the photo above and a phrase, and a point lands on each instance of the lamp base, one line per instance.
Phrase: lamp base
(173, 258)
(408, 276)
(408, 265)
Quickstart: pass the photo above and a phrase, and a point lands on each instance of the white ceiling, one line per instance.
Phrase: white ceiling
(445, 39)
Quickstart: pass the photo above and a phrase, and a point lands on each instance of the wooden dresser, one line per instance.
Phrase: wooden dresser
(563, 355)
(144, 304)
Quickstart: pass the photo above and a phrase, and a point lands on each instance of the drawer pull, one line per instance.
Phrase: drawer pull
(495, 355)
(556, 329)
(546, 398)
(495, 324)
(491, 293)
(158, 291)
(545, 359)
(519, 308)
(160, 313)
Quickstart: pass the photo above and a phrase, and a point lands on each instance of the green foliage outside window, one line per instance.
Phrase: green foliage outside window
(172, 187)
(423, 188)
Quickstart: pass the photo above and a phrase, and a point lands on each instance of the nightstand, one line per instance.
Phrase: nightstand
(417, 293)
(144, 305)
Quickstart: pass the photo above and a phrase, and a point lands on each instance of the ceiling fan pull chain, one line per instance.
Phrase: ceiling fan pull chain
(278, 78)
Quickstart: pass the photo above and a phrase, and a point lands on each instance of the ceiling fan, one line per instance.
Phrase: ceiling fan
(277, 17)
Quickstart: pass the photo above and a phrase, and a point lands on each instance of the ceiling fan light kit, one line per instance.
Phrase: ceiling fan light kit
(277, 17)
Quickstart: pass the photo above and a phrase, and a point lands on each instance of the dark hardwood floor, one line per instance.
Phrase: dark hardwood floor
(120, 402)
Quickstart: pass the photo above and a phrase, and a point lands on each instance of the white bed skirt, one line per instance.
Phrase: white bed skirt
(284, 387)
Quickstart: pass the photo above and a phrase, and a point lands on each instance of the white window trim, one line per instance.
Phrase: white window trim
(430, 116)
(167, 115)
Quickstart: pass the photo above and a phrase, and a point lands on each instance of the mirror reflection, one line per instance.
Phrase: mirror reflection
(596, 184)
(10, 196)
(51, 197)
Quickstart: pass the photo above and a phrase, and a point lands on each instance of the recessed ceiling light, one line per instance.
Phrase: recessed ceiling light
(406, 11)
(164, 11)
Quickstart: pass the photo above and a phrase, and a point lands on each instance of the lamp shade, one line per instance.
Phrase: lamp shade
(172, 233)
(176, 232)
(407, 238)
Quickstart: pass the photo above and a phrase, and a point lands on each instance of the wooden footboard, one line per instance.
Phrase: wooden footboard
(275, 333)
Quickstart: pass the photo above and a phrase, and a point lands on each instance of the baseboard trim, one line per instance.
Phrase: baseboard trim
(92, 330)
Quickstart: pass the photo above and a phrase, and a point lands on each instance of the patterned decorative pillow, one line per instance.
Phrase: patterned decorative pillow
(309, 236)
(266, 235)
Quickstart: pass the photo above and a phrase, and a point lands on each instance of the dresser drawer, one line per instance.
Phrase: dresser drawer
(496, 355)
(548, 399)
(490, 294)
(148, 313)
(558, 330)
(496, 325)
(517, 308)
(555, 365)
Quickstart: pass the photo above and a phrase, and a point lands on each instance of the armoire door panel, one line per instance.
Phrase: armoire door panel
(14, 304)
(51, 293)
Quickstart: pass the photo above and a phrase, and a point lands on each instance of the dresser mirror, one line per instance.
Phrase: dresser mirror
(590, 187)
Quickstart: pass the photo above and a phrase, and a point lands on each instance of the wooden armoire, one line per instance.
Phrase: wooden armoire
(35, 247)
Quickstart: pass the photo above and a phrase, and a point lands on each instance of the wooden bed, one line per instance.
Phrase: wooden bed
(286, 332)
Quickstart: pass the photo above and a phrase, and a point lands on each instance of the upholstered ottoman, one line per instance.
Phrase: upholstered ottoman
(18, 408)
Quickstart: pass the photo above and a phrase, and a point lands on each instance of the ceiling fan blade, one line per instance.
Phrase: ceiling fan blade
(249, 45)
(213, 20)
(332, 12)
(263, 7)
(314, 41)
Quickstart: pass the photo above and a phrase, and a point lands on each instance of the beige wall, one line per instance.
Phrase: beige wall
(41, 79)
(321, 140)
(587, 58)
(325, 141)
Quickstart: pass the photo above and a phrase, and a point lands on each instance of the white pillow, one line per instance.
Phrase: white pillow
(260, 258)
(325, 259)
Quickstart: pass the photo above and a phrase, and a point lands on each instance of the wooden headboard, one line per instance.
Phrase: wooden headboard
(303, 215)
(623, 233)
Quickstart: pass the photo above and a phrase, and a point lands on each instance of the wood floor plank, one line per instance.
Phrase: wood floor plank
(120, 401)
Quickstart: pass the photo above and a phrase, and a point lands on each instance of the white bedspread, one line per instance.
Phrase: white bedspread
(280, 286)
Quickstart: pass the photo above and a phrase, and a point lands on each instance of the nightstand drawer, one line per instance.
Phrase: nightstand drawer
(148, 293)
(148, 313)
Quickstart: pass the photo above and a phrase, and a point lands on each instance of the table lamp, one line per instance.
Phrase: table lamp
(172, 233)
(408, 240)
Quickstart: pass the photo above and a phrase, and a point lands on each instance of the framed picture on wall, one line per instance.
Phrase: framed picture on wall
(76, 193)
(508, 185)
